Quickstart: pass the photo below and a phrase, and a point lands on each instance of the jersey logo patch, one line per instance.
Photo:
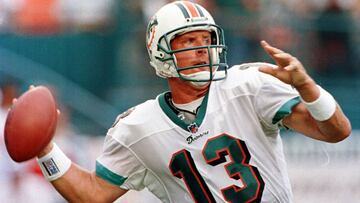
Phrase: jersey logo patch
(123, 115)
(193, 128)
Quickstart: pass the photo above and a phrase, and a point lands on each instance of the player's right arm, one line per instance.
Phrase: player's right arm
(80, 185)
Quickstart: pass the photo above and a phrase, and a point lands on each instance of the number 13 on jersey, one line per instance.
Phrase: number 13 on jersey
(182, 165)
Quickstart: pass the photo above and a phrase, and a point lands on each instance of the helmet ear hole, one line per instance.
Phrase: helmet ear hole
(214, 39)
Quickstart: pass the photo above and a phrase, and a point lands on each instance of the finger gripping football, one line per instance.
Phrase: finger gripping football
(30, 124)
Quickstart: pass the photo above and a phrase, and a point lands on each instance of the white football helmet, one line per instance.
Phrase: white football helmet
(177, 18)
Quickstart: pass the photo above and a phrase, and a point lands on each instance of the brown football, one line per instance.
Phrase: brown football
(30, 124)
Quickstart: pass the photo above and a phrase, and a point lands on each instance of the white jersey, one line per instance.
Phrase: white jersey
(231, 153)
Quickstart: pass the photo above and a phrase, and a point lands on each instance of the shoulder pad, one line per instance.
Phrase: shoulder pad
(123, 115)
(245, 66)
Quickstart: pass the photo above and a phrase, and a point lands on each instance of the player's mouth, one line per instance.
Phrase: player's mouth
(200, 63)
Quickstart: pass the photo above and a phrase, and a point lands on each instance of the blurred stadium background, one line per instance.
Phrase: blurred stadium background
(92, 54)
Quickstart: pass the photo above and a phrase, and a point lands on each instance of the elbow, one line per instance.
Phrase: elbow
(337, 138)
(341, 135)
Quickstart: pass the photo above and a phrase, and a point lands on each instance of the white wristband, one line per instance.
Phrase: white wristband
(54, 164)
(323, 107)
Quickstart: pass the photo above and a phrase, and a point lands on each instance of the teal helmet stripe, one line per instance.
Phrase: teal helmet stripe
(193, 7)
(199, 10)
(183, 10)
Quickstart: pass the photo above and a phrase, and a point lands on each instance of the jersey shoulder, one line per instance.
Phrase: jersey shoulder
(248, 70)
(136, 123)
(253, 65)
(138, 114)
(245, 76)
(248, 74)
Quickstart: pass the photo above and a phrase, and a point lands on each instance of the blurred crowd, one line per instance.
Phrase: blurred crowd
(323, 34)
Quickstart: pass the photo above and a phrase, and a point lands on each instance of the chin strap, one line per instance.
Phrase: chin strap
(204, 77)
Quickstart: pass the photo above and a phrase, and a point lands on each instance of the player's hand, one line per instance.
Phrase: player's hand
(46, 150)
(49, 147)
(289, 69)
(32, 87)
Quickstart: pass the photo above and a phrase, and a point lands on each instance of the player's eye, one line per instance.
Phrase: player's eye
(190, 40)
(207, 40)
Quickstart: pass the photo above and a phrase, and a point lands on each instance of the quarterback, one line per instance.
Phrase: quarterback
(214, 136)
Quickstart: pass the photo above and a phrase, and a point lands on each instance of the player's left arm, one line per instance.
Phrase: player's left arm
(331, 124)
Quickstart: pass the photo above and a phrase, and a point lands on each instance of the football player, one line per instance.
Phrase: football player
(214, 137)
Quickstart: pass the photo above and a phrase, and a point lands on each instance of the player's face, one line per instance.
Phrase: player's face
(192, 57)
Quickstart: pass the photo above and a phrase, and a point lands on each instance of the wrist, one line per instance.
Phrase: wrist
(46, 150)
(53, 164)
(322, 107)
(309, 91)
(306, 84)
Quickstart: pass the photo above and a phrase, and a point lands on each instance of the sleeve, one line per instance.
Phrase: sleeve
(119, 165)
(274, 100)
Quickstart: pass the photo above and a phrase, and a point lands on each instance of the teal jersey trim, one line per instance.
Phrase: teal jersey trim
(108, 175)
(173, 117)
(285, 109)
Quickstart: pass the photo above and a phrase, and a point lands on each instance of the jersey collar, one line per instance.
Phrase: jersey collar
(174, 117)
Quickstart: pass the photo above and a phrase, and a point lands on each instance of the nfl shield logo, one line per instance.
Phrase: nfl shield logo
(193, 128)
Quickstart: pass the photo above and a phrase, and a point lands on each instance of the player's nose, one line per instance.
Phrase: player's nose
(201, 51)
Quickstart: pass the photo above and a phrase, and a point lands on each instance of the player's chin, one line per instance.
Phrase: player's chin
(202, 69)
(196, 70)
(200, 85)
